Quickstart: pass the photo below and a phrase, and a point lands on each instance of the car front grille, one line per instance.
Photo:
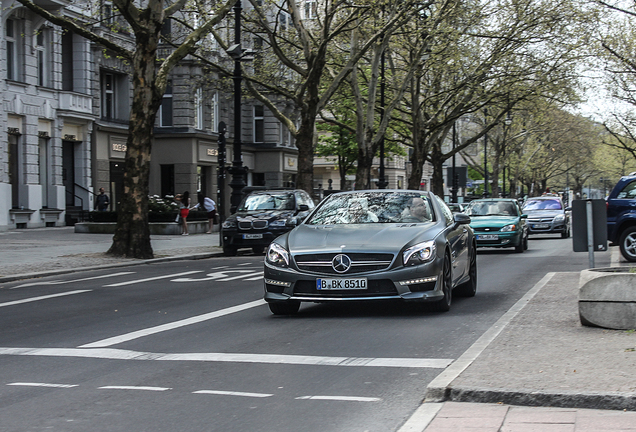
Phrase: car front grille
(486, 229)
(381, 287)
(541, 220)
(360, 263)
(252, 224)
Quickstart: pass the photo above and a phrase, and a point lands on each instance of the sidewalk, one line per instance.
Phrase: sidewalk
(536, 369)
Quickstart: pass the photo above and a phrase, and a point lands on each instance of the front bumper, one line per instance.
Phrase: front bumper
(535, 227)
(505, 239)
(242, 239)
(283, 284)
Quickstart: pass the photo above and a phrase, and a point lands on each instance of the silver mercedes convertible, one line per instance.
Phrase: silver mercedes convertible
(373, 245)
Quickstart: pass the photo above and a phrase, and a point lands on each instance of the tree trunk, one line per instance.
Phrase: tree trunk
(132, 234)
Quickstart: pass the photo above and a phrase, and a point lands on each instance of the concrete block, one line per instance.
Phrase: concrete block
(607, 298)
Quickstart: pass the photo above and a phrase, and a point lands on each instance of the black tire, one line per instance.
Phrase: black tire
(627, 243)
(289, 307)
(258, 250)
(519, 248)
(229, 251)
(444, 304)
(566, 232)
(525, 242)
(469, 288)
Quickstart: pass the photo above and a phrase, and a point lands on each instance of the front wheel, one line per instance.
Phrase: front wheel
(627, 244)
(444, 304)
(288, 307)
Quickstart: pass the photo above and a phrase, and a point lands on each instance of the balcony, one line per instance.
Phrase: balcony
(76, 103)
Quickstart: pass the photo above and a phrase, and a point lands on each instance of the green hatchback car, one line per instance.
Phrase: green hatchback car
(498, 222)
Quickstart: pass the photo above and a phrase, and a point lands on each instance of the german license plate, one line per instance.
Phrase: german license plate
(252, 236)
(540, 226)
(488, 237)
(341, 284)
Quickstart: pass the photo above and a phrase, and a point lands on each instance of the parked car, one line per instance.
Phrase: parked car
(621, 216)
(262, 216)
(373, 245)
(547, 214)
(498, 222)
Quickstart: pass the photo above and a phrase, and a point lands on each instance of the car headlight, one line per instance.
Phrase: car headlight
(559, 218)
(229, 224)
(277, 223)
(508, 228)
(420, 253)
(277, 255)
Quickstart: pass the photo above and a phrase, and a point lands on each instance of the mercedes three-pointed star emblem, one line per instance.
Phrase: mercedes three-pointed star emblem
(341, 263)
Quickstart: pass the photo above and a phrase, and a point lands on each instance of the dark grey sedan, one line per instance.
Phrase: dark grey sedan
(373, 245)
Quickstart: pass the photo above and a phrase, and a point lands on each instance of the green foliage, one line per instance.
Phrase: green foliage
(166, 204)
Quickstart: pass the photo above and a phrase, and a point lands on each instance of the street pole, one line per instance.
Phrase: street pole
(382, 183)
(454, 180)
(486, 155)
(220, 201)
(507, 123)
(237, 170)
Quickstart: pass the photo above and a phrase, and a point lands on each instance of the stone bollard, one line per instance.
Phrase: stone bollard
(607, 298)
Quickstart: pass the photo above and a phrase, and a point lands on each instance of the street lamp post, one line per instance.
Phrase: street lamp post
(382, 183)
(485, 156)
(220, 204)
(237, 170)
(507, 123)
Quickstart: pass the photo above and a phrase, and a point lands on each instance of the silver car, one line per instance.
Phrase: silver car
(373, 245)
(547, 215)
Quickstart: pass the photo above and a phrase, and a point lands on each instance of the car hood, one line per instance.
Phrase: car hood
(390, 238)
(492, 221)
(542, 213)
(262, 215)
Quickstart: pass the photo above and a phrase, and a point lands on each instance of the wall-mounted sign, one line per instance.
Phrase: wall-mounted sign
(290, 163)
(212, 152)
(119, 147)
(69, 137)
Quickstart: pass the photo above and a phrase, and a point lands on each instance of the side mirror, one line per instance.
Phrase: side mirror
(524, 216)
(303, 207)
(291, 222)
(461, 218)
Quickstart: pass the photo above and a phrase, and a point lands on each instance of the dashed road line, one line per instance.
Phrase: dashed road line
(46, 297)
(171, 326)
(58, 282)
(143, 388)
(233, 393)
(341, 398)
(49, 385)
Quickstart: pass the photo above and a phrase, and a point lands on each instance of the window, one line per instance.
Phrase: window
(43, 161)
(214, 112)
(259, 124)
(311, 7)
(67, 61)
(108, 17)
(15, 50)
(198, 106)
(14, 165)
(43, 53)
(115, 98)
(165, 110)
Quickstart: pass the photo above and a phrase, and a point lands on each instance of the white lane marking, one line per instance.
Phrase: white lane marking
(255, 278)
(243, 276)
(57, 282)
(217, 275)
(233, 393)
(134, 388)
(28, 384)
(173, 325)
(245, 264)
(152, 278)
(32, 299)
(341, 398)
(615, 257)
(118, 354)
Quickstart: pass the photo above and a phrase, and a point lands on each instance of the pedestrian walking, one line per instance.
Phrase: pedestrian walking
(184, 210)
(101, 201)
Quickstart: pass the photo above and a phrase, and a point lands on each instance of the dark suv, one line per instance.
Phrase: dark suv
(262, 216)
(547, 214)
(621, 216)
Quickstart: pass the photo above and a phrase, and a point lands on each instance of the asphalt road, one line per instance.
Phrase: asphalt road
(191, 346)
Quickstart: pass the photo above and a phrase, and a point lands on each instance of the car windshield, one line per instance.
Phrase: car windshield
(543, 204)
(373, 207)
(267, 201)
(491, 208)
